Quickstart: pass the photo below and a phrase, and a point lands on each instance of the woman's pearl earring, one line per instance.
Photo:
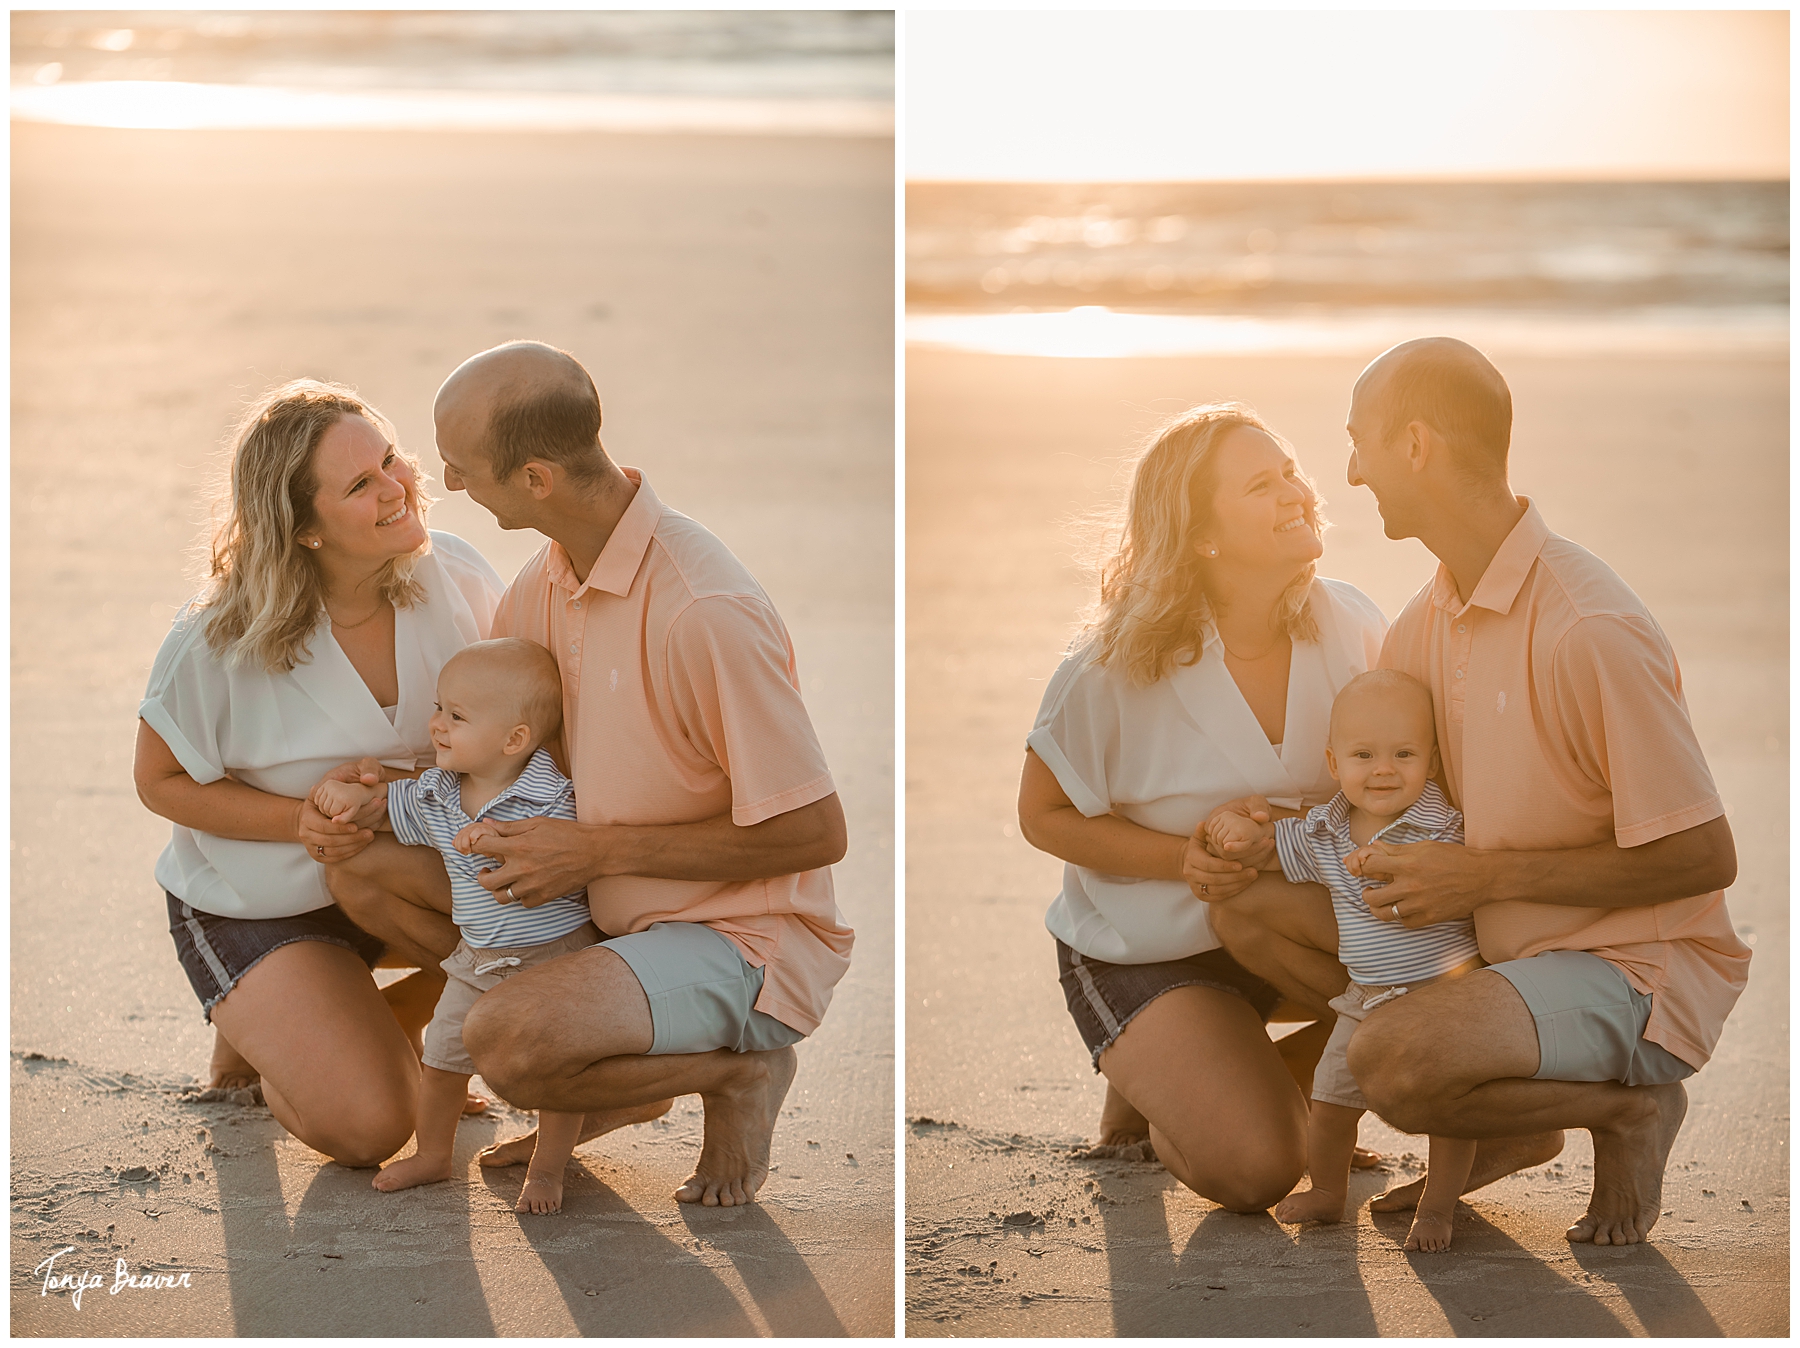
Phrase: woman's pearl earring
(1210, 552)
(313, 543)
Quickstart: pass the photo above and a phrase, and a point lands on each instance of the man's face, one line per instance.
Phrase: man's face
(1382, 468)
(466, 469)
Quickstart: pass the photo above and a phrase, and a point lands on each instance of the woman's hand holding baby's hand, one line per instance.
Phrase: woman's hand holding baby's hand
(328, 840)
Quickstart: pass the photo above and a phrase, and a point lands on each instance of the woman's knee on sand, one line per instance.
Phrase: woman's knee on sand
(1245, 1173)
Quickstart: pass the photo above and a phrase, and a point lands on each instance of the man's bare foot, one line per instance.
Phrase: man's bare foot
(1430, 1231)
(542, 1193)
(1310, 1205)
(411, 1172)
(1629, 1160)
(1120, 1122)
(740, 1120)
(1495, 1159)
(230, 1069)
(518, 1150)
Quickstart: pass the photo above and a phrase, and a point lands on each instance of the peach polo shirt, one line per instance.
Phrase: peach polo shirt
(681, 700)
(1562, 724)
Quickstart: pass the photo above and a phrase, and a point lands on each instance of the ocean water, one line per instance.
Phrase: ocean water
(802, 71)
(1144, 269)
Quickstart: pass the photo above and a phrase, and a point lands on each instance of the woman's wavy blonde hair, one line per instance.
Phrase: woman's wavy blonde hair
(264, 594)
(1154, 607)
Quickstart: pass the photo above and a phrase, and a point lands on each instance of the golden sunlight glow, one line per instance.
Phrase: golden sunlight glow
(1093, 332)
(172, 105)
(1163, 96)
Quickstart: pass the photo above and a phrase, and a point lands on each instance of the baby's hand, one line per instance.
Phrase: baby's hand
(1230, 834)
(1354, 863)
(337, 801)
(468, 840)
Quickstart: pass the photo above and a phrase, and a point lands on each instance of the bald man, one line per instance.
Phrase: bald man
(707, 817)
(1597, 849)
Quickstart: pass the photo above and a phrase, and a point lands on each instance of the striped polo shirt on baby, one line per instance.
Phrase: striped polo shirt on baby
(428, 812)
(1377, 953)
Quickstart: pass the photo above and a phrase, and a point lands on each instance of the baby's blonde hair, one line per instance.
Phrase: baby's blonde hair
(530, 673)
(1385, 681)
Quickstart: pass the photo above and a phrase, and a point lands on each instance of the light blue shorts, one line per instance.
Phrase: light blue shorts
(702, 991)
(1590, 1021)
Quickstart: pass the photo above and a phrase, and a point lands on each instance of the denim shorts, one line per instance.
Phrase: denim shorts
(702, 991)
(1104, 998)
(215, 952)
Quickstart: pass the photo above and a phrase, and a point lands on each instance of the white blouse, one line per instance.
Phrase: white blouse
(281, 732)
(1165, 756)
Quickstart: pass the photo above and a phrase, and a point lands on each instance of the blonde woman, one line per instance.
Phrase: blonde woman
(1205, 675)
(316, 642)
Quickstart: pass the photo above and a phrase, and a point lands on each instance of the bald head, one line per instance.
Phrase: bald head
(1386, 694)
(525, 401)
(1452, 388)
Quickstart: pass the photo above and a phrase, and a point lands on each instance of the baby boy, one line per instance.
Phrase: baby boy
(497, 702)
(1382, 751)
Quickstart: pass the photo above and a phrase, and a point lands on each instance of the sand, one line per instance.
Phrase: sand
(1675, 471)
(733, 298)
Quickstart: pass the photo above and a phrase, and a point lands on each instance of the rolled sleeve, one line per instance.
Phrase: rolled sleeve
(1626, 724)
(188, 700)
(736, 688)
(404, 816)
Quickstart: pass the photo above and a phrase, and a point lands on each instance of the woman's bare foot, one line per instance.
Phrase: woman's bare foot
(412, 1172)
(542, 1193)
(1629, 1159)
(475, 1104)
(1310, 1205)
(518, 1150)
(1120, 1122)
(1430, 1231)
(740, 1121)
(230, 1069)
(1495, 1159)
(1364, 1159)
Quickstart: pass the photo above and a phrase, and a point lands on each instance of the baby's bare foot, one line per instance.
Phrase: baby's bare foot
(1430, 1231)
(1310, 1205)
(542, 1193)
(411, 1172)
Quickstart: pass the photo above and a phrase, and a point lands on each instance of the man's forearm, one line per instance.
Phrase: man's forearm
(717, 849)
(1679, 866)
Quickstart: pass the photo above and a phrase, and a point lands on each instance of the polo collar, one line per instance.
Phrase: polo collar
(619, 561)
(1505, 576)
(1332, 819)
(540, 784)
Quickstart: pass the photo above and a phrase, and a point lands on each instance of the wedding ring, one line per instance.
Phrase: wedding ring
(509, 894)
(1395, 909)
(321, 849)
(1203, 889)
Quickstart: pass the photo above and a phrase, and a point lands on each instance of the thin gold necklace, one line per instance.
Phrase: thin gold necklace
(1252, 659)
(351, 627)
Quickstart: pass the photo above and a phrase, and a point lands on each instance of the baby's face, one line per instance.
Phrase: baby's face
(1383, 750)
(474, 718)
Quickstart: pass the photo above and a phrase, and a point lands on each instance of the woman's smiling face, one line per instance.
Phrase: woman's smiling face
(366, 507)
(1264, 513)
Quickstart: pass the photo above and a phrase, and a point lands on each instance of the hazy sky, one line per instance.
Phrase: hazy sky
(1037, 96)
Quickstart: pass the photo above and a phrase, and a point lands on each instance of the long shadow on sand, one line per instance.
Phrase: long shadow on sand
(348, 1263)
(618, 1273)
(1488, 1285)
(776, 1274)
(1659, 1295)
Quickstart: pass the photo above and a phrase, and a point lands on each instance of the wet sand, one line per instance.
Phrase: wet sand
(1675, 471)
(733, 298)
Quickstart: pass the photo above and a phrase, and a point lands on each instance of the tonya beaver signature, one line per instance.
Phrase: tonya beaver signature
(123, 1277)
